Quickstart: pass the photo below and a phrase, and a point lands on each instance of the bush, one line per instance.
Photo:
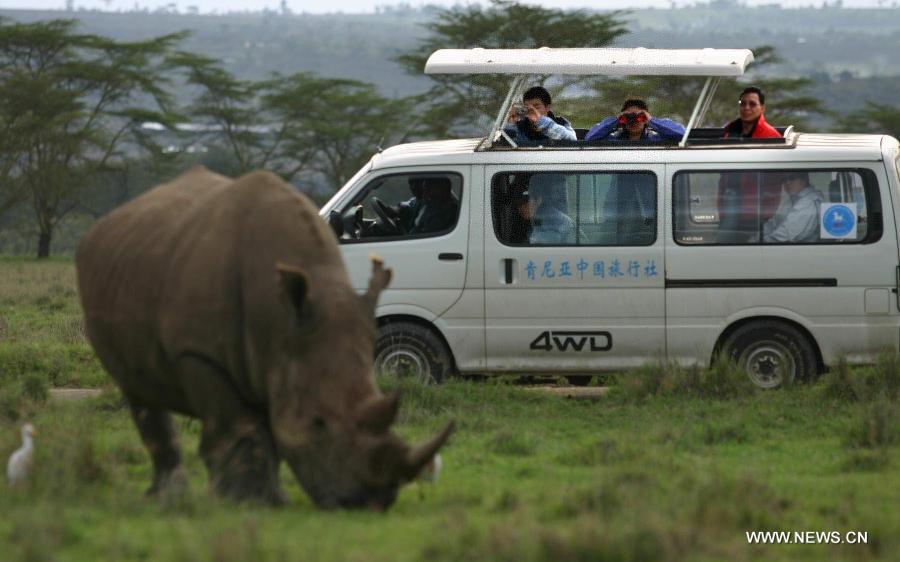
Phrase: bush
(35, 388)
(885, 378)
(878, 426)
(864, 384)
(722, 380)
(841, 383)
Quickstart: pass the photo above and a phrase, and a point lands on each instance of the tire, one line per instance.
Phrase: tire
(772, 353)
(411, 350)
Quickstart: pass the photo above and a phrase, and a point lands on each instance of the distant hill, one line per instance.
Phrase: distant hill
(254, 45)
(850, 52)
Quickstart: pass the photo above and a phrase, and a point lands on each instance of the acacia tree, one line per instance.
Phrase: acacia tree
(675, 96)
(345, 121)
(874, 118)
(232, 115)
(454, 104)
(296, 124)
(72, 101)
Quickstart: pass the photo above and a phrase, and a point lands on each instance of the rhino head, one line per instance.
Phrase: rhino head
(332, 425)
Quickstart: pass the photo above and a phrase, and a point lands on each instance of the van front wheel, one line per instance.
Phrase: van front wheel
(411, 350)
(772, 353)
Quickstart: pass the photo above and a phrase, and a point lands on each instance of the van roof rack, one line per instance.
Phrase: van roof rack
(712, 63)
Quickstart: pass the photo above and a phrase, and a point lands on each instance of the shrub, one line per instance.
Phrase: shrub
(886, 376)
(35, 388)
(722, 380)
(842, 383)
(878, 426)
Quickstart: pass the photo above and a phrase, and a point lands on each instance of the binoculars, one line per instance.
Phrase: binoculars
(631, 118)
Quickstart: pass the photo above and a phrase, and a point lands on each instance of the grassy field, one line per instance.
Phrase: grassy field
(672, 465)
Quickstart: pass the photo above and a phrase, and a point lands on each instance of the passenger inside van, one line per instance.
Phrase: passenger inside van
(797, 219)
(545, 210)
(744, 200)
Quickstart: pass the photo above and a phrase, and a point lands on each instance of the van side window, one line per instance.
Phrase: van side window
(402, 206)
(751, 207)
(574, 208)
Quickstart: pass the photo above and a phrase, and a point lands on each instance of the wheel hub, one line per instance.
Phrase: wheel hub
(768, 364)
(404, 362)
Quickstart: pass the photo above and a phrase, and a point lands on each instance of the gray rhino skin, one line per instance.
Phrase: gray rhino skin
(227, 300)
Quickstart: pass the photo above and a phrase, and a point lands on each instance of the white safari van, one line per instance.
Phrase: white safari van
(667, 252)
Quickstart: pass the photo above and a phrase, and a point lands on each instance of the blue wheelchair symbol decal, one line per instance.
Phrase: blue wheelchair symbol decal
(838, 221)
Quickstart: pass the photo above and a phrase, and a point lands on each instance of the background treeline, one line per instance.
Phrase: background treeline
(821, 42)
(97, 108)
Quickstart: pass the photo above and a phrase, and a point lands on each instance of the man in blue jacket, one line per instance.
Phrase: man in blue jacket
(536, 122)
(635, 123)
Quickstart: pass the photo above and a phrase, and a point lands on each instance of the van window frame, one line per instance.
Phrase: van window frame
(656, 190)
(870, 185)
(364, 191)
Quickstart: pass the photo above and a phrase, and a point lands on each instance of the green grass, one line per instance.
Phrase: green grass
(673, 465)
(41, 330)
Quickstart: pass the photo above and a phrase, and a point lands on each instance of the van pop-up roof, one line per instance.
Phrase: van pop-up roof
(712, 63)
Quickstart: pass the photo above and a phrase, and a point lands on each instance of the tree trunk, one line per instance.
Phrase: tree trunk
(44, 244)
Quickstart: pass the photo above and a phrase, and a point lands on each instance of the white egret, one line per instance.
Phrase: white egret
(20, 461)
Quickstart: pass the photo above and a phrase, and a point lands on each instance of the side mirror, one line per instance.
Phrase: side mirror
(336, 222)
(352, 222)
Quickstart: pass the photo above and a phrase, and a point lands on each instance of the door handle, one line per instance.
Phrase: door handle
(508, 270)
(450, 257)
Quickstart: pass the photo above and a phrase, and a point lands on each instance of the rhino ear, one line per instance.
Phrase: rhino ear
(294, 282)
(380, 279)
(377, 414)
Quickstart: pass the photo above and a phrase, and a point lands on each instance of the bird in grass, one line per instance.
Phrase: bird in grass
(432, 470)
(20, 461)
(429, 474)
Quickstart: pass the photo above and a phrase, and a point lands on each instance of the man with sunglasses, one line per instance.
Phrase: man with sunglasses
(635, 123)
(751, 123)
(747, 198)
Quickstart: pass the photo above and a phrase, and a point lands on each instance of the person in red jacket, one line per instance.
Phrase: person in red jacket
(751, 123)
(748, 199)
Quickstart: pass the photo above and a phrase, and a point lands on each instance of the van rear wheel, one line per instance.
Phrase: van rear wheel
(772, 353)
(410, 350)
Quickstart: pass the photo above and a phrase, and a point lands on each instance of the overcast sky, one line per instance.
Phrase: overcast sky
(320, 6)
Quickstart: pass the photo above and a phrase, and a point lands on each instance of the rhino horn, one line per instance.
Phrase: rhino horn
(378, 413)
(380, 279)
(421, 455)
(294, 282)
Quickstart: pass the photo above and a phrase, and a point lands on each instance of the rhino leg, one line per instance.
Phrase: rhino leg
(241, 458)
(158, 435)
(236, 445)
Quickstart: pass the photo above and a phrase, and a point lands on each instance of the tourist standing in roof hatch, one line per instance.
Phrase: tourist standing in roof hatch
(533, 121)
(752, 122)
(635, 123)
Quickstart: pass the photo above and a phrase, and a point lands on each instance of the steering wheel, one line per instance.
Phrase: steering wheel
(385, 216)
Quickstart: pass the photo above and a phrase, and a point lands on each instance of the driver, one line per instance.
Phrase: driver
(406, 211)
(437, 210)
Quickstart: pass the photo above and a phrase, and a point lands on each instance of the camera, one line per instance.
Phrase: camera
(521, 111)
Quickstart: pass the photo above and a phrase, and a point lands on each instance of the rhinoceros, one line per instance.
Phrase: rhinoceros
(228, 301)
